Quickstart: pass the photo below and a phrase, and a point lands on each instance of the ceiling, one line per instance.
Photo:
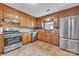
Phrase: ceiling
(41, 9)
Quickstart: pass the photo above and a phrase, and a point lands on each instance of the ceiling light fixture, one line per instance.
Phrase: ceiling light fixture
(47, 10)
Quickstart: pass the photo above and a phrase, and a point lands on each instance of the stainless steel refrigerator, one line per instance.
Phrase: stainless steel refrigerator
(69, 33)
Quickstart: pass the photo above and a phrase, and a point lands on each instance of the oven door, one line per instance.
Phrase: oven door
(12, 40)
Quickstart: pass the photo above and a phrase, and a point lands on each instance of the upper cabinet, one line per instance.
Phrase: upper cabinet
(56, 22)
(11, 13)
(23, 20)
(1, 12)
(40, 23)
(33, 22)
(27, 21)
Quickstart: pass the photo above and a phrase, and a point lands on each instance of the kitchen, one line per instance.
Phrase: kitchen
(21, 32)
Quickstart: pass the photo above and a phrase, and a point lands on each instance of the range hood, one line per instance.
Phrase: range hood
(8, 20)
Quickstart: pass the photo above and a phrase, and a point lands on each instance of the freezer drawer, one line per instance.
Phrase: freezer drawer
(73, 46)
(69, 45)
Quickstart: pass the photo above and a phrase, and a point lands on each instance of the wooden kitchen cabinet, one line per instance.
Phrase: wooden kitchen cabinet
(1, 13)
(1, 44)
(28, 21)
(52, 38)
(8, 12)
(33, 22)
(43, 36)
(26, 38)
(11, 13)
(56, 39)
(1, 16)
(39, 36)
(29, 37)
(56, 22)
(23, 21)
(40, 23)
(48, 36)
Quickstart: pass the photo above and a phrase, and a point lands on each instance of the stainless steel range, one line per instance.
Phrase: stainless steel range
(12, 39)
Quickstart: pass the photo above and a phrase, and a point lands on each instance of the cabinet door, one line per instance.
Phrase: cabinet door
(56, 39)
(51, 38)
(11, 13)
(1, 14)
(40, 23)
(33, 22)
(25, 38)
(1, 17)
(43, 36)
(29, 37)
(56, 22)
(39, 36)
(23, 21)
(8, 13)
(1, 44)
(47, 36)
(28, 21)
(16, 14)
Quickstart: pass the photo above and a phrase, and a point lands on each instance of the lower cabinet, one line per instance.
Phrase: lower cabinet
(39, 36)
(48, 37)
(29, 37)
(56, 39)
(52, 38)
(26, 38)
(43, 37)
(1, 44)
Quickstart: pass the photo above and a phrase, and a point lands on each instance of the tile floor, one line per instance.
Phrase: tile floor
(39, 48)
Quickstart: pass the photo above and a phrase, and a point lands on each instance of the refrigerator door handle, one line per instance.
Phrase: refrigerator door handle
(69, 27)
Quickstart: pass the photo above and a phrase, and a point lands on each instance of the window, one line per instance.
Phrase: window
(48, 25)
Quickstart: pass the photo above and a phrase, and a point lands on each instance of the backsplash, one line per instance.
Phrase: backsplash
(25, 30)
